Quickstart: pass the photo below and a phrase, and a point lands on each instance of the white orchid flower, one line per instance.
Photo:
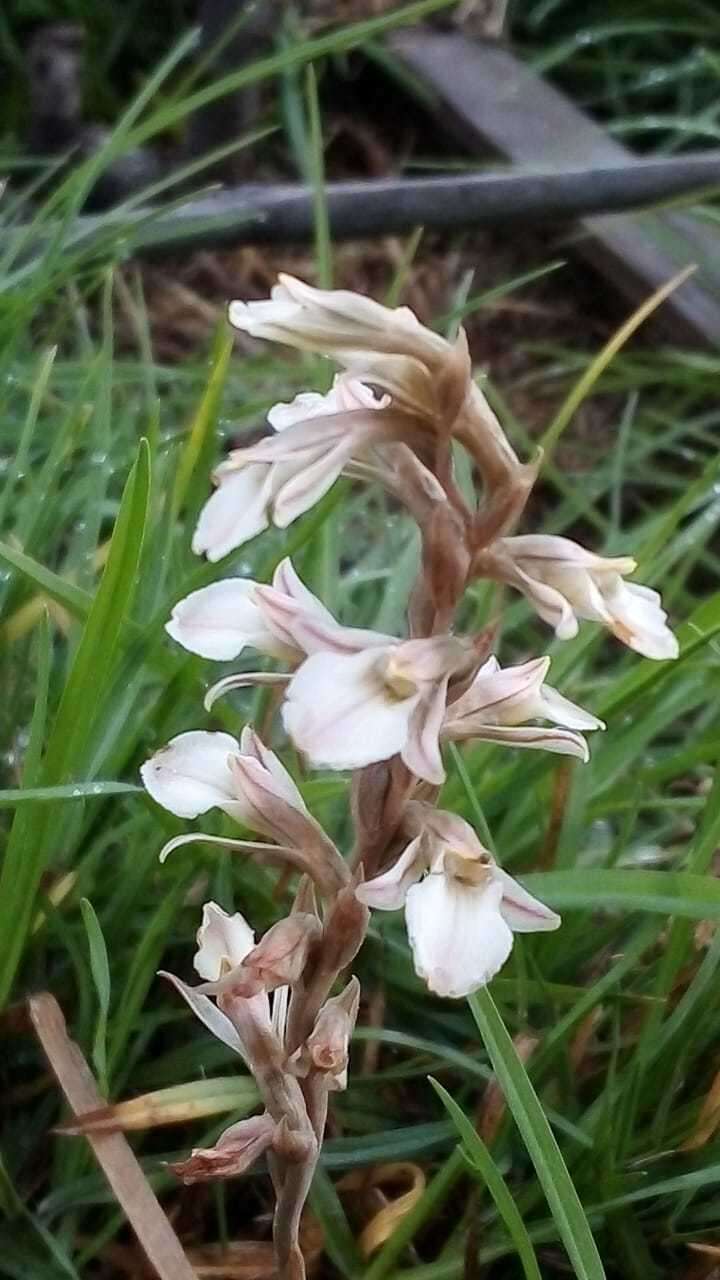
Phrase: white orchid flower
(427, 377)
(284, 620)
(277, 479)
(223, 943)
(345, 710)
(226, 946)
(221, 620)
(199, 771)
(336, 322)
(388, 695)
(565, 582)
(461, 908)
(500, 701)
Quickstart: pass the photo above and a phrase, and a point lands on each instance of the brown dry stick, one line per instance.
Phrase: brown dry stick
(112, 1150)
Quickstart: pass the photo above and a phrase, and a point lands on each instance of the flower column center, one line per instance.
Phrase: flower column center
(397, 679)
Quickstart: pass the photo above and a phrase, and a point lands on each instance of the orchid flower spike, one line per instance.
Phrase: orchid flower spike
(500, 701)
(461, 908)
(198, 771)
(565, 582)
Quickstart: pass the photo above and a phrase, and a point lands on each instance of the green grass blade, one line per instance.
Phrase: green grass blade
(101, 636)
(537, 1135)
(75, 717)
(482, 1162)
(339, 1240)
(201, 434)
(11, 799)
(678, 893)
(100, 970)
(74, 599)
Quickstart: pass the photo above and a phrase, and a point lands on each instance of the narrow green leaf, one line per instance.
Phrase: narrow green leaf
(77, 601)
(75, 717)
(101, 636)
(537, 1135)
(483, 1163)
(323, 243)
(18, 880)
(677, 893)
(69, 791)
(204, 422)
(339, 1240)
(100, 970)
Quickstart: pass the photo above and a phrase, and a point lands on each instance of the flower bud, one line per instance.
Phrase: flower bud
(234, 1152)
(344, 931)
(281, 955)
(326, 1048)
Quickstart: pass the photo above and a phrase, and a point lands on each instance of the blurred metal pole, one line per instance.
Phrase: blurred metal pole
(263, 214)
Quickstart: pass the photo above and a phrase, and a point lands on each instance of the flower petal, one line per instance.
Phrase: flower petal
(223, 941)
(279, 781)
(387, 892)
(639, 620)
(562, 741)
(503, 695)
(458, 937)
(552, 607)
(220, 620)
(311, 631)
(346, 395)
(308, 484)
(339, 712)
(308, 404)
(421, 752)
(236, 512)
(287, 581)
(554, 551)
(191, 775)
(523, 912)
(211, 1017)
(560, 710)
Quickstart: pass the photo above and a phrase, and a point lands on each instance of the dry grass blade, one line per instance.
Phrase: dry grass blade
(708, 1120)
(111, 1150)
(493, 1107)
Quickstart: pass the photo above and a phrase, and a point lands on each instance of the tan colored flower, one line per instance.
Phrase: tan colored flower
(565, 582)
(500, 701)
